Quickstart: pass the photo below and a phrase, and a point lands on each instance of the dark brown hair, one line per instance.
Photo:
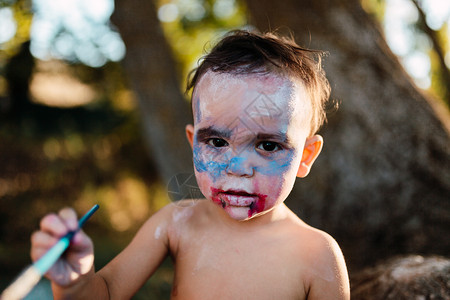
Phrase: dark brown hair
(243, 52)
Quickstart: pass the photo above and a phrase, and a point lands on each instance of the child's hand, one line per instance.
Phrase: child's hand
(79, 257)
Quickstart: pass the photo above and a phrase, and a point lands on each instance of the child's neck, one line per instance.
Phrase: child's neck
(278, 213)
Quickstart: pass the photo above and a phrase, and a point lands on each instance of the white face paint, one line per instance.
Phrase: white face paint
(182, 214)
(280, 93)
(157, 233)
(250, 131)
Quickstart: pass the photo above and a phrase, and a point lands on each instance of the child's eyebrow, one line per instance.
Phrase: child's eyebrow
(279, 136)
(203, 133)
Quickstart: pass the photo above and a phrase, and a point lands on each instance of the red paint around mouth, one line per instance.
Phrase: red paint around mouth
(215, 197)
(255, 207)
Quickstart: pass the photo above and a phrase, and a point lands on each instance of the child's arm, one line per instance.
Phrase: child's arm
(331, 280)
(127, 272)
(73, 277)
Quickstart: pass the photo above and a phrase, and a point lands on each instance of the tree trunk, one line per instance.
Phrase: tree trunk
(152, 75)
(382, 184)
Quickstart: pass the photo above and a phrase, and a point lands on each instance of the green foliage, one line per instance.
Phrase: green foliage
(438, 86)
(424, 40)
(439, 80)
(375, 8)
(189, 34)
(23, 17)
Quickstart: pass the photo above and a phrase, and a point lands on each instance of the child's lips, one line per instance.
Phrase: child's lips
(237, 198)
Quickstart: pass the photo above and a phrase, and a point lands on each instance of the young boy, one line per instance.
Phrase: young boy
(257, 101)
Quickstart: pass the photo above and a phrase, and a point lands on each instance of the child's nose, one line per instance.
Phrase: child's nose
(239, 166)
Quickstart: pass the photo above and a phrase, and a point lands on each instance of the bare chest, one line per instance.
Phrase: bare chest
(221, 267)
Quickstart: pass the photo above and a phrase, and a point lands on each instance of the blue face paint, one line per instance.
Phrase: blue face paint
(237, 165)
(213, 168)
(215, 162)
(276, 166)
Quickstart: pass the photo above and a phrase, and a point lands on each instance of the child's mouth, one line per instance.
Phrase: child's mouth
(237, 198)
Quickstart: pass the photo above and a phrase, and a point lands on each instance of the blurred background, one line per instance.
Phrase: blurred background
(92, 110)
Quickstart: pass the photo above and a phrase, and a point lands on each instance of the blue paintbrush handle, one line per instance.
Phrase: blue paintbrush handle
(48, 259)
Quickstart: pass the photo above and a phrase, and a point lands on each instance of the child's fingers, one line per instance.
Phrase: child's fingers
(81, 253)
(41, 242)
(81, 242)
(69, 217)
(42, 239)
(54, 225)
(37, 252)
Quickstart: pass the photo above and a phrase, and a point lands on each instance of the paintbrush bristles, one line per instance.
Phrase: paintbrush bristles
(22, 285)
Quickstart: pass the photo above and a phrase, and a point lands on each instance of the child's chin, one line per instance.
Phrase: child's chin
(238, 213)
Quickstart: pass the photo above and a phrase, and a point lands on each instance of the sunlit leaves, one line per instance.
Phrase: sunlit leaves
(190, 26)
(408, 35)
(375, 8)
(75, 30)
(15, 26)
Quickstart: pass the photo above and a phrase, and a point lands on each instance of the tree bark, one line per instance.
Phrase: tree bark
(152, 74)
(404, 278)
(382, 184)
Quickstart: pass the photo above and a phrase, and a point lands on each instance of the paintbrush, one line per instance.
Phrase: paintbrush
(25, 282)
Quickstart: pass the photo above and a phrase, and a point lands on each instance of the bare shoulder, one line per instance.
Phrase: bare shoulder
(179, 217)
(178, 212)
(324, 272)
(183, 213)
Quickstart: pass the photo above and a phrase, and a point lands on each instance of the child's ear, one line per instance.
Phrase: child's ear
(313, 146)
(190, 134)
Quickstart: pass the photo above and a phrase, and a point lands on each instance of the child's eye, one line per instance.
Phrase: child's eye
(216, 142)
(269, 146)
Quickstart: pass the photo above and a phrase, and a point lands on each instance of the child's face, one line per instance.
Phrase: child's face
(248, 138)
